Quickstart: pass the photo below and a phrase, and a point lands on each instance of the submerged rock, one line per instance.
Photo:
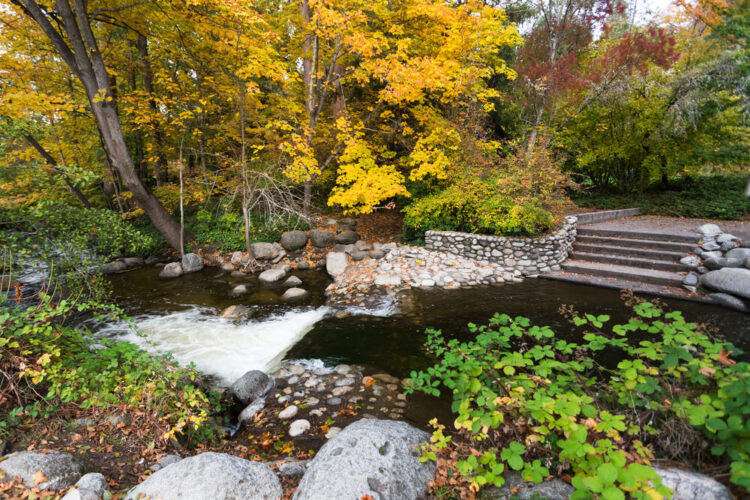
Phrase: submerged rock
(730, 301)
(372, 457)
(236, 311)
(210, 475)
(294, 294)
(171, 270)
(59, 470)
(292, 281)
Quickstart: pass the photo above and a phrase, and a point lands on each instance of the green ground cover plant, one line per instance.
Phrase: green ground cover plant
(599, 410)
(48, 367)
(710, 197)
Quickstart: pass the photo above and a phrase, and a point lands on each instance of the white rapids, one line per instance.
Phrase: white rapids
(217, 346)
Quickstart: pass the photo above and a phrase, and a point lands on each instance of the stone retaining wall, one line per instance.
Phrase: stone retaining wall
(530, 256)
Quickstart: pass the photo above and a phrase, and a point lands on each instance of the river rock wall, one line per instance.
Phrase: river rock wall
(530, 256)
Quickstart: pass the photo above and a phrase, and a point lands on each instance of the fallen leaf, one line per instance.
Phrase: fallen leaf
(39, 478)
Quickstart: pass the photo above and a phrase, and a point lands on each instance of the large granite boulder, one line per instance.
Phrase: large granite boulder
(731, 280)
(192, 262)
(263, 251)
(58, 470)
(336, 263)
(210, 475)
(692, 486)
(379, 458)
(738, 253)
(321, 239)
(171, 270)
(293, 240)
(516, 488)
(251, 386)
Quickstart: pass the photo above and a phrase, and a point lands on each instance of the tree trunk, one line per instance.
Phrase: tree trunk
(747, 189)
(160, 167)
(85, 60)
(53, 163)
(307, 199)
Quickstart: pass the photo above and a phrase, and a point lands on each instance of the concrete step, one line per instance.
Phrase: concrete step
(667, 246)
(621, 284)
(638, 235)
(623, 272)
(622, 260)
(659, 255)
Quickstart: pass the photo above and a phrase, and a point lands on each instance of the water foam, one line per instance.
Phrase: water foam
(218, 346)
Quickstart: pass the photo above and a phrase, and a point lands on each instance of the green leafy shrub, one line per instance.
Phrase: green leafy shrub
(715, 197)
(48, 365)
(519, 197)
(226, 230)
(600, 409)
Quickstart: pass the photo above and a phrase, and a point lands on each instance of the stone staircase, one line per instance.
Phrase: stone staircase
(626, 259)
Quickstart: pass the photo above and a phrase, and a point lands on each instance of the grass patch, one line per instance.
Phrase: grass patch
(705, 197)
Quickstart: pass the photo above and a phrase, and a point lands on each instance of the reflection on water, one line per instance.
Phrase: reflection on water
(182, 315)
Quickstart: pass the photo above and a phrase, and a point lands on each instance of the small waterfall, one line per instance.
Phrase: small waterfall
(217, 346)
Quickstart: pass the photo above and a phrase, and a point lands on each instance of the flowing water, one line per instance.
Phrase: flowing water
(182, 316)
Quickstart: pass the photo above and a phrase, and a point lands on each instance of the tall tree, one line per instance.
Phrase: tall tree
(68, 27)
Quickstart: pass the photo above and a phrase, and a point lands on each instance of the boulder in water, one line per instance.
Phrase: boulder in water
(171, 270)
(236, 311)
(132, 262)
(731, 280)
(292, 281)
(114, 267)
(192, 262)
(294, 294)
(273, 275)
(210, 475)
(251, 386)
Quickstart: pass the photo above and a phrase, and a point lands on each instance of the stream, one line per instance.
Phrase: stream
(182, 316)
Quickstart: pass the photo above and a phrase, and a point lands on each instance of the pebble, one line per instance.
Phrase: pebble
(318, 412)
(288, 412)
(299, 427)
(340, 391)
(311, 401)
(295, 369)
(344, 381)
(333, 401)
(293, 380)
(343, 369)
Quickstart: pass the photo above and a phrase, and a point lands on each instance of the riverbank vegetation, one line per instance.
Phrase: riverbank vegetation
(602, 410)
